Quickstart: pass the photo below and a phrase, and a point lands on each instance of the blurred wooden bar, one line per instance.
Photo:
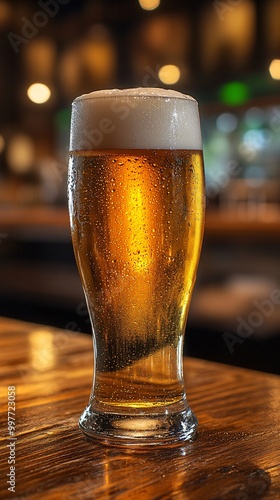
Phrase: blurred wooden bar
(35, 216)
(218, 223)
(229, 225)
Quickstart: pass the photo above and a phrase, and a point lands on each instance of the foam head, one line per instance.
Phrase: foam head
(142, 118)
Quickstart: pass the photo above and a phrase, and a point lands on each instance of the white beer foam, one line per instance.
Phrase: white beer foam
(140, 118)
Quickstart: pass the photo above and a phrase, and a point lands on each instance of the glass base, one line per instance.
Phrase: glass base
(140, 430)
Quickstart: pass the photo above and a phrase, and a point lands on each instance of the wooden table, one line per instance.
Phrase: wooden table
(235, 456)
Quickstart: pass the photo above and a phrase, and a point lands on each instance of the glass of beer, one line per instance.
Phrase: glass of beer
(136, 202)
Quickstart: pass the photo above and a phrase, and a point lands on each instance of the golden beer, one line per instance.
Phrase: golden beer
(137, 219)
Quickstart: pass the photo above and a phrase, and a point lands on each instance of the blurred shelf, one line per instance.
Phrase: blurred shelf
(38, 223)
(234, 225)
(35, 216)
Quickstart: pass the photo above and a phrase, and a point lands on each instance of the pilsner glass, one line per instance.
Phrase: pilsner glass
(136, 203)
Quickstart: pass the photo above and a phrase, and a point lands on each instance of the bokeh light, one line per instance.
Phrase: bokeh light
(20, 153)
(227, 122)
(274, 69)
(234, 93)
(149, 4)
(254, 117)
(38, 93)
(169, 74)
(219, 145)
(257, 139)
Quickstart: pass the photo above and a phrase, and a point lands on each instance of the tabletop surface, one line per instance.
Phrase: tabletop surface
(236, 455)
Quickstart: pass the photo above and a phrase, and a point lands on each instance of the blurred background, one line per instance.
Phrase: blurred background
(226, 53)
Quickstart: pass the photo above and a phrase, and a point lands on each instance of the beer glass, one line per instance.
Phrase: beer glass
(136, 203)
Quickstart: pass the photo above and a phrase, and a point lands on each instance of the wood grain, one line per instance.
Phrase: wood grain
(236, 455)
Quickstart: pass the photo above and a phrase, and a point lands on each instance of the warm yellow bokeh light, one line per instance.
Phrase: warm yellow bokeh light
(274, 69)
(169, 74)
(20, 153)
(149, 4)
(39, 93)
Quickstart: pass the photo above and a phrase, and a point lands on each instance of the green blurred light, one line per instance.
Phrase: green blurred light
(62, 119)
(234, 93)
